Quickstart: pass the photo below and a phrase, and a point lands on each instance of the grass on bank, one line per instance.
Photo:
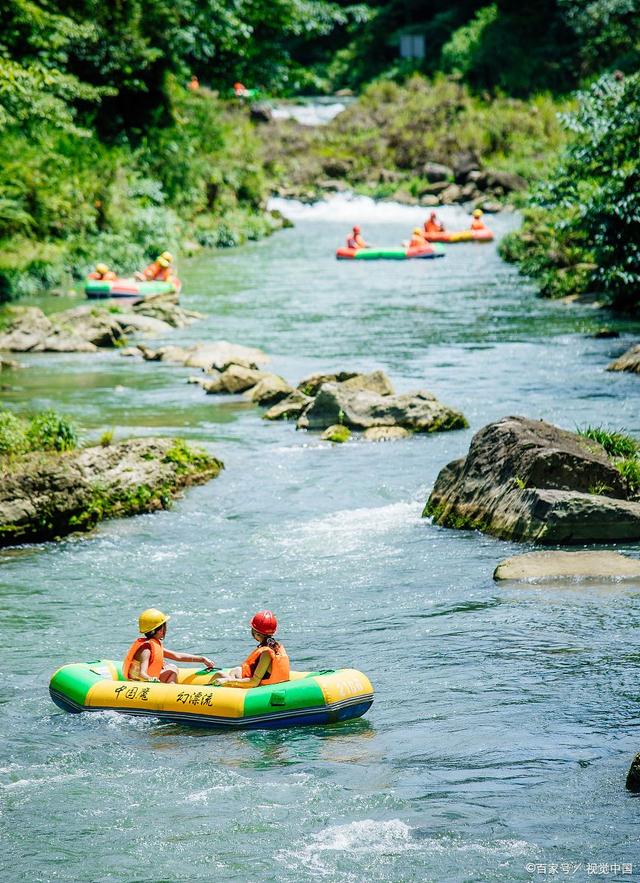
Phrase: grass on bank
(46, 431)
(623, 449)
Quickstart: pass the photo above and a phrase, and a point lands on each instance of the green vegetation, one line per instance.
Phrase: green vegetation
(583, 230)
(623, 449)
(615, 442)
(384, 141)
(187, 459)
(46, 431)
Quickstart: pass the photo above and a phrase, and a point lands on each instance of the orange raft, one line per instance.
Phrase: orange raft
(460, 236)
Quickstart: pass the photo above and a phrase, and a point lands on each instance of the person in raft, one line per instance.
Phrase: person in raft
(433, 225)
(355, 240)
(267, 664)
(477, 223)
(159, 270)
(145, 659)
(102, 272)
(417, 238)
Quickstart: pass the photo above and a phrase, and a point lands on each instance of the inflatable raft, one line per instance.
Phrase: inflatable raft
(389, 254)
(308, 698)
(460, 236)
(128, 288)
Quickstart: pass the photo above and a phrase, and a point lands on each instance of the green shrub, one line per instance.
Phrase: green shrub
(49, 431)
(13, 434)
(629, 469)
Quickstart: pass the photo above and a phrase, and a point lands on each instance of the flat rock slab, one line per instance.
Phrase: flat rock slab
(582, 566)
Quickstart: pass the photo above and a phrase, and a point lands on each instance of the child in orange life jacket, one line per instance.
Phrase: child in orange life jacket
(145, 658)
(355, 240)
(267, 664)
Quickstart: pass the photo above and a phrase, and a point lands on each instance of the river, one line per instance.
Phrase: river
(505, 718)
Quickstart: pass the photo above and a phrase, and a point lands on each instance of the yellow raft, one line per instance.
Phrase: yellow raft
(307, 698)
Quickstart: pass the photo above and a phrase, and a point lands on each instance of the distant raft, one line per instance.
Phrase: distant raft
(321, 697)
(460, 236)
(128, 288)
(389, 254)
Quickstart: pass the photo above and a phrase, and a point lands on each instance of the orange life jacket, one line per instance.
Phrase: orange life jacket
(417, 242)
(355, 241)
(433, 227)
(156, 662)
(109, 275)
(163, 274)
(477, 224)
(279, 664)
(151, 272)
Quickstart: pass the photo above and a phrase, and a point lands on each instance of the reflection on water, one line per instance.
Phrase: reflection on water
(505, 717)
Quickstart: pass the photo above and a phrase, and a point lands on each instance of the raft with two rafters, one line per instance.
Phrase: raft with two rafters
(389, 254)
(320, 697)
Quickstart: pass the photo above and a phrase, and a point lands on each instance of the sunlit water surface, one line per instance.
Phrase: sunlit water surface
(505, 718)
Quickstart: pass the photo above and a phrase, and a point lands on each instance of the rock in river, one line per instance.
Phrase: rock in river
(550, 566)
(44, 495)
(360, 408)
(629, 361)
(528, 480)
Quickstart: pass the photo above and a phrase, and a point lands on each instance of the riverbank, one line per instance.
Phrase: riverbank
(71, 201)
(51, 487)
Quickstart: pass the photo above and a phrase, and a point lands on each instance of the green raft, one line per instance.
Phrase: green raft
(307, 698)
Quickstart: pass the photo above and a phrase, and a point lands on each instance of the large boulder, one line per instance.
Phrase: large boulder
(629, 361)
(96, 325)
(360, 408)
(530, 481)
(551, 566)
(435, 172)
(44, 495)
(633, 776)
(508, 181)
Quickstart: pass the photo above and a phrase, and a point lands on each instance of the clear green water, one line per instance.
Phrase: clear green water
(505, 719)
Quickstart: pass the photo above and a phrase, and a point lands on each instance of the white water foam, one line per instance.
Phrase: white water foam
(308, 114)
(349, 208)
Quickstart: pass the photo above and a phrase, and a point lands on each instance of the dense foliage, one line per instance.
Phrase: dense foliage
(46, 431)
(383, 141)
(583, 230)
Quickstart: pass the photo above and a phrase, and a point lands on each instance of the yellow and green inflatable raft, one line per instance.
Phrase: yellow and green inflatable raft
(308, 698)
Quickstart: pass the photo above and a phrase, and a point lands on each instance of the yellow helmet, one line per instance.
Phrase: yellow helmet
(163, 262)
(477, 213)
(102, 268)
(417, 230)
(167, 256)
(151, 619)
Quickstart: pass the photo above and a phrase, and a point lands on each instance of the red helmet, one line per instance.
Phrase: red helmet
(356, 229)
(264, 622)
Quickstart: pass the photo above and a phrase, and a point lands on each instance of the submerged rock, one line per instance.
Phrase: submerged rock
(528, 480)
(360, 409)
(44, 495)
(550, 566)
(215, 356)
(336, 433)
(629, 361)
(385, 433)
